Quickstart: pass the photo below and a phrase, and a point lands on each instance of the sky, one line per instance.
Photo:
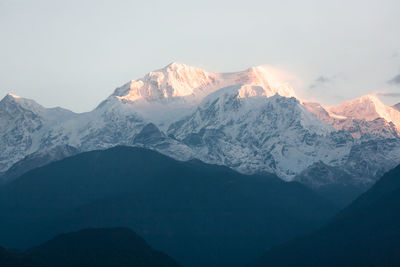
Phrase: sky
(75, 53)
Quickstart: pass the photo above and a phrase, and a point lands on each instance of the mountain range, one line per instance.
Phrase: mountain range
(199, 214)
(251, 121)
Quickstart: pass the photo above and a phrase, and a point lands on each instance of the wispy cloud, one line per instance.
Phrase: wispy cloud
(394, 95)
(321, 81)
(395, 80)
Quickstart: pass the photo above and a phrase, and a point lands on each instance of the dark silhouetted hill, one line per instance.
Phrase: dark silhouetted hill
(119, 247)
(366, 233)
(200, 214)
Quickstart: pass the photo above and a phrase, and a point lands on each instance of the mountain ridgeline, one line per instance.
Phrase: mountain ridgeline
(251, 121)
(200, 214)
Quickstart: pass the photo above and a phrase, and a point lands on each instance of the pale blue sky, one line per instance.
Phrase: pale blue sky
(74, 53)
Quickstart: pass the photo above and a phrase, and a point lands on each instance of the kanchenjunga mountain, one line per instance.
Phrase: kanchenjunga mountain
(251, 121)
(93, 247)
(197, 213)
(366, 233)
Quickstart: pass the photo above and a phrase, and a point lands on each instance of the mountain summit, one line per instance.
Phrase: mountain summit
(174, 81)
(170, 93)
(177, 81)
(368, 108)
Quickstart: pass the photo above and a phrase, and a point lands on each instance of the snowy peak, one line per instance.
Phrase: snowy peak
(12, 96)
(13, 101)
(174, 81)
(173, 92)
(190, 84)
(397, 106)
(263, 81)
(14, 105)
(368, 108)
(9, 99)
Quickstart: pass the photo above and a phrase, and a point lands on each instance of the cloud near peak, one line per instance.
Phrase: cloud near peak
(395, 80)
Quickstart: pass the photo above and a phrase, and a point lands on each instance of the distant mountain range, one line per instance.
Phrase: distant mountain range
(95, 247)
(366, 233)
(200, 214)
(251, 121)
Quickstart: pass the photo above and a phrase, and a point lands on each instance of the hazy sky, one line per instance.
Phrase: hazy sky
(74, 53)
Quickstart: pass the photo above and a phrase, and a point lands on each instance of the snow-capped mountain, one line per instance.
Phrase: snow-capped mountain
(363, 116)
(368, 108)
(166, 95)
(259, 134)
(23, 125)
(250, 121)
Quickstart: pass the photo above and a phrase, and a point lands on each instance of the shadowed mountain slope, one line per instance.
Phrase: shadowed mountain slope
(366, 233)
(198, 213)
